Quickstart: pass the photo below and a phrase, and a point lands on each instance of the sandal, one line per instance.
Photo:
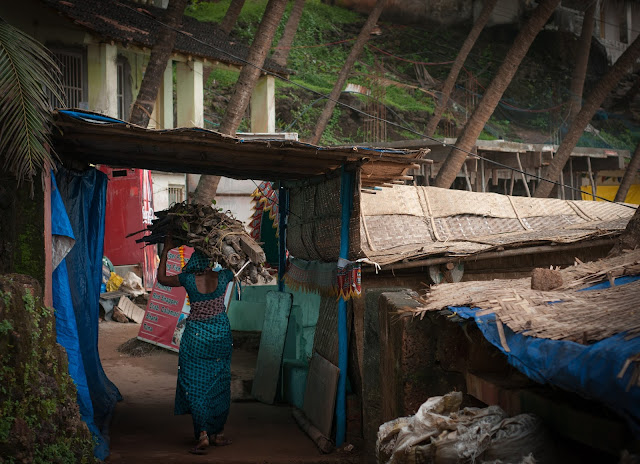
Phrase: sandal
(201, 447)
(220, 440)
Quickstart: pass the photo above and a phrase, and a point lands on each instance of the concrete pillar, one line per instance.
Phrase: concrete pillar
(102, 70)
(263, 105)
(190, 94)
(164, 103)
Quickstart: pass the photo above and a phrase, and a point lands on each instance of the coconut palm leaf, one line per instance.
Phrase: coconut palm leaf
(29, 79)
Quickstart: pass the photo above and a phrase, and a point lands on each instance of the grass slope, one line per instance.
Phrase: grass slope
(403, 67)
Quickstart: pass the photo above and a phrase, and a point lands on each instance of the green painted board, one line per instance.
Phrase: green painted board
(320, 394)
(274, 331)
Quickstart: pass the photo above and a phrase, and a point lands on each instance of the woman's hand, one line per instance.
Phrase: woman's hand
(168, 243)
(163, 278)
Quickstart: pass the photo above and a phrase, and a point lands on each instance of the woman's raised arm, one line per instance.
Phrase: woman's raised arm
(163, 278)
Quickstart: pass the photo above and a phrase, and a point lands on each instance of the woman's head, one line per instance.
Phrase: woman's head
(198, 262)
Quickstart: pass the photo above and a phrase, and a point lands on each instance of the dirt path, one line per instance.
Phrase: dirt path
(144, 428)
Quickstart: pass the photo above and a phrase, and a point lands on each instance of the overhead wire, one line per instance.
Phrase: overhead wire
(357, 110)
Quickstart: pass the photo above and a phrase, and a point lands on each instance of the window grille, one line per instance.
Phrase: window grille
(72, 67)
(176, 194)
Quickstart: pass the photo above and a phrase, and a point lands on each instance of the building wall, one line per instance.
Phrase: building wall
(161, 183)
(396, 364)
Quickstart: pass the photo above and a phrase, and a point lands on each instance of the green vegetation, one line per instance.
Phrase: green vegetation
(406, 60)
(39, 417)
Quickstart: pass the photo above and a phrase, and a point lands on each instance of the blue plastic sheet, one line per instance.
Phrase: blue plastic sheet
(66, 327)
(84, 198)
(589, 370)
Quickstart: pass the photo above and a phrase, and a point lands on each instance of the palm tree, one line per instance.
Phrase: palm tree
(207, 185)
(591, 104)
(582, 59)
(281, 54)
(29, 77)
(231, 16)
(630, 237)
(323, 120)
(465, 143)
(629, 175)
(451, 79)
(160, 53)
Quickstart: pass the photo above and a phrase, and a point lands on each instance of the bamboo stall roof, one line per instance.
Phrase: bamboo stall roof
(403, 225)
(578, 316)
(89, 138)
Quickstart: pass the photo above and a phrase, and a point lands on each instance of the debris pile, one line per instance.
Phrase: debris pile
(215, 232)
(441, 433)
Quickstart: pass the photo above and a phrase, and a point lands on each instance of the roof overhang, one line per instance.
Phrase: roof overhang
(87, 138)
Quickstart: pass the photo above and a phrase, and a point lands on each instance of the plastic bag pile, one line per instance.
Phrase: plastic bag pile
(441, 433)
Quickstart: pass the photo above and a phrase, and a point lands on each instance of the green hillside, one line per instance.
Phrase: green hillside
(403, 67)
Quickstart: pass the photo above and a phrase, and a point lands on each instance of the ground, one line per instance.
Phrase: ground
(144, 428)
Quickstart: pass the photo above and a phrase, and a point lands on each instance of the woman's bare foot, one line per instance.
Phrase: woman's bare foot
(221, 440)
(203, 444)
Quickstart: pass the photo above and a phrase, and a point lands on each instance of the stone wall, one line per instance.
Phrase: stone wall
(39, 417)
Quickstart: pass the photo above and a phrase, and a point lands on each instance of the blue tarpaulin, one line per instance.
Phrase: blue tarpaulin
(82, 196)
(589, 370)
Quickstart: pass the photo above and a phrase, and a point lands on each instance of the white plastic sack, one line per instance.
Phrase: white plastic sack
(441, 433)
(132, 284)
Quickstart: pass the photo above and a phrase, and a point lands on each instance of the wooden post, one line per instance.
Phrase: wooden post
(524, 176)
(593, 184)
(483, 179)
(283, 210)
(513, 180)
(571, 179)
(48, 240)
(466, 176)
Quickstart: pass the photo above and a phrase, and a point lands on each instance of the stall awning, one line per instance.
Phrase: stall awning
(89, 138)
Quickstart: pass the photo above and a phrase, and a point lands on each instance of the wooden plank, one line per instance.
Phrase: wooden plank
(320, 394)
(274, 330)
(131, 310)
(252, 249)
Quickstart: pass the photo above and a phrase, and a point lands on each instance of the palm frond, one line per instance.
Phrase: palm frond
(29, 79)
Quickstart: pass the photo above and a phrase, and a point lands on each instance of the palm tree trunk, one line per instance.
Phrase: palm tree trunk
(231, 16)
(629, 175)
(160, 53)
(346, 69)
(582, 59)
(591, 104)
(281, 54)
(207, 185)
(451, 79)
(250, 72)
(630, 238)
(501, 81)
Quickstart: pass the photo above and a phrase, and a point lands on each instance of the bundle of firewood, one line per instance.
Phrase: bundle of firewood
(215, 232)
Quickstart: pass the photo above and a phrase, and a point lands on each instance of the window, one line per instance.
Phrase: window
(72, 65)
(120, 90)
(176, 194)
(123, 91)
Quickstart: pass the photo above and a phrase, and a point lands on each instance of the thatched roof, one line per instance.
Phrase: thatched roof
(413, 224)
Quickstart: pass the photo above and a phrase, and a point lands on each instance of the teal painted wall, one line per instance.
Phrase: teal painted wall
(248, 315)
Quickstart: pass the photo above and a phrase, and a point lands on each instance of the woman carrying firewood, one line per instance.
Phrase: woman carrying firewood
(204, 364)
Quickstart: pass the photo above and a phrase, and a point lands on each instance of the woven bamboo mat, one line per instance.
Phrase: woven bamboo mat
(412, 221)
(581, 317)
